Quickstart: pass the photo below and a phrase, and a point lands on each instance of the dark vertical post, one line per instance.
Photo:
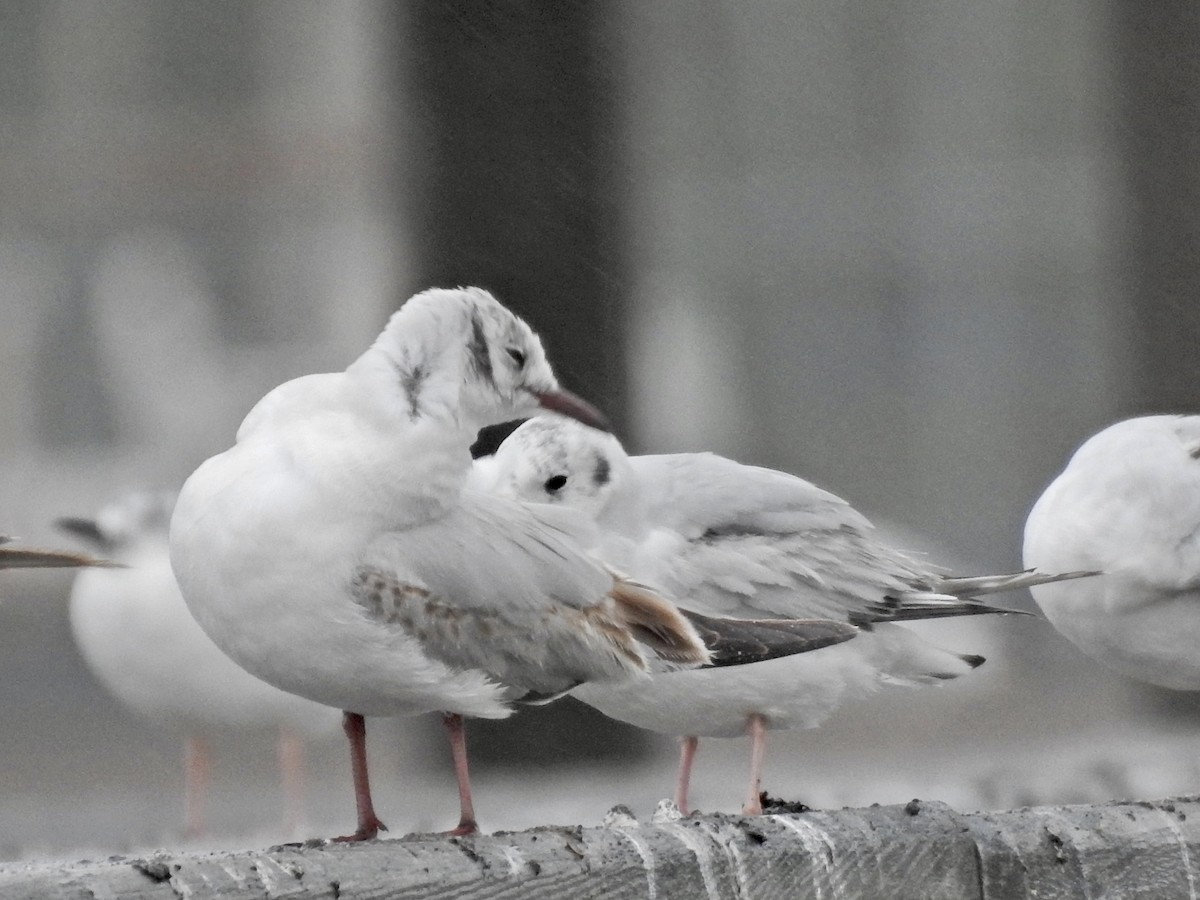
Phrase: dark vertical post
(511, 183)
(1159, 133)
(510, 106)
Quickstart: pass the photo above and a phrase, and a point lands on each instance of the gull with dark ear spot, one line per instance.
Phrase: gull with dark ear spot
(1128, 504)
(741, 542)
(333, 552)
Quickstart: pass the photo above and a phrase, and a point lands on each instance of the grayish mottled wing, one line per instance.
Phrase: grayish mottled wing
(533, 610)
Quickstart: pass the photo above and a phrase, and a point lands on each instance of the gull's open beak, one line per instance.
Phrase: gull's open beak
(577, 408)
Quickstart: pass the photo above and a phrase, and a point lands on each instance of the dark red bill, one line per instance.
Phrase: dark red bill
(577, 408)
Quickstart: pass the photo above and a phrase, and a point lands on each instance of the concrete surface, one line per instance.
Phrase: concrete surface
(1118, 850)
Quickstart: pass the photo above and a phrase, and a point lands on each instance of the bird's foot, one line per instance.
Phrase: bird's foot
(367, 831)
(754, 806)
(464, 828)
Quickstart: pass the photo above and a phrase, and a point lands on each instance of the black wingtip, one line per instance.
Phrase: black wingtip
(893, 610)
(84, 529)
(973, 660)
(738, 642)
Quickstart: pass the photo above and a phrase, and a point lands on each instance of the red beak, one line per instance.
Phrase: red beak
(577, 408)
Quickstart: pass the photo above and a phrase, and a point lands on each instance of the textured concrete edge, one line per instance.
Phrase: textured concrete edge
(1115, 849)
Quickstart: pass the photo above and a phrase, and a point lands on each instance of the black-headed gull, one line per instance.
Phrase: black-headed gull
(139, 640)
(333, 551)
(30, 558)
(742, 541)
(1127, 504)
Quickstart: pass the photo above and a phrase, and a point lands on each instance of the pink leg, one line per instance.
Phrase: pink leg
(291, 780)
(687, 753)
(196, 767)
(368, 825)
(458, 749)
(756, 727)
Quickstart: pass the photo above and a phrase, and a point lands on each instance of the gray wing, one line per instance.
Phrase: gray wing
(733, 540)
(814, 573)
(695, 493)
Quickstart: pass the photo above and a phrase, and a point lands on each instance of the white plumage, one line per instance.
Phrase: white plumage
(1127, 504)
(741, 541)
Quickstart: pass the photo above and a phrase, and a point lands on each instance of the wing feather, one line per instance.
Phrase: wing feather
(533, 610)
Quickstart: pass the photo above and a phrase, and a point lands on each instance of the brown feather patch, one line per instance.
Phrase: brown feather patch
(657, 624)
(599, 619)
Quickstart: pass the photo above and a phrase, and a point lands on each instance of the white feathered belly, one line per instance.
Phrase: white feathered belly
(283, 610)
(139, 639)
(793, 692)
(1157, 641)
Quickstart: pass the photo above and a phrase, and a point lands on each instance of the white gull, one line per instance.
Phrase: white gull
(741, 541)
(1127, 504)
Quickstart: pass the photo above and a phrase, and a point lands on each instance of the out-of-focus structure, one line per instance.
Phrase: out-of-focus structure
(915, 254)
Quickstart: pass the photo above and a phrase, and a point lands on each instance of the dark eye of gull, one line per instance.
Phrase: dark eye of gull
(517, 356)
(555, 483)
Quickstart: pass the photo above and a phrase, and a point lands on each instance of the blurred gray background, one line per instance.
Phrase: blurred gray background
(914, 252)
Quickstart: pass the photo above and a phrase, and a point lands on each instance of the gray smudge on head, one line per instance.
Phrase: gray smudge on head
(411, 381)
(602, 474)
(481, 360)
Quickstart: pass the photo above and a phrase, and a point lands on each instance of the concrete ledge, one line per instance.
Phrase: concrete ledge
(927, 850)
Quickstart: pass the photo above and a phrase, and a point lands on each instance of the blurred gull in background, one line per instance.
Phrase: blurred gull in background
(1128, 504)
(742, 541)
(138, 638)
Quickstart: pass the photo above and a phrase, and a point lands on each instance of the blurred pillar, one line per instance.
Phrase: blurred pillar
(511, 184)
(512, 180)
(1159, 136)
(1159, 140)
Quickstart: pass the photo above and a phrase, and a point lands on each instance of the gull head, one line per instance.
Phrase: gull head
(461, 354)
(554, 460)
(137, 516)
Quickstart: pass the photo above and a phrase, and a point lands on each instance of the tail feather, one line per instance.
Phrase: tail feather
(993, 584)
(904, 657)
(956, 596)
(909, 607)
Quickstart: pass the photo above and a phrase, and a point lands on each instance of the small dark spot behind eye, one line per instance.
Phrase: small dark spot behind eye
(555, 483)
(517, 356)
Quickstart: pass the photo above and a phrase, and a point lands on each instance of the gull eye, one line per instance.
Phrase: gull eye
(517, 356)
(555, 483)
